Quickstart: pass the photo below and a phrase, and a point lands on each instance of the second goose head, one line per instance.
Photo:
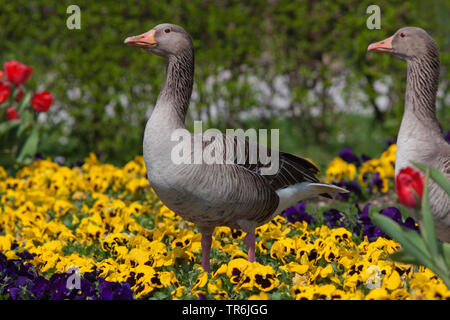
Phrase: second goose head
(164, 40)
(409, 43)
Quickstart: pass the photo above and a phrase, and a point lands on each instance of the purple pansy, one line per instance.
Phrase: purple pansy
(391, 141)
(447, 136)
(21, 280)
(298, 213)
(376, 182)
(332, 217)
(352, 186)
(114, 290)
(366, 228)
(347, 155)
(365, 158)
(373, 232)
(393, 213)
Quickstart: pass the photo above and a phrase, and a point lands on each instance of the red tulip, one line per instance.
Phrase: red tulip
(17, 72)
(11, 114)
(5, 91)
(42, 101)
(1, 74)
(406, 181)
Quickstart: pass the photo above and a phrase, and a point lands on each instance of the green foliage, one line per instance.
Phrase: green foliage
(19, 139)
(426, 249)
(244, 50)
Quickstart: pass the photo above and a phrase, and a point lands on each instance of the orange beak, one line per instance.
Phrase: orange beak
(145, 40)
(382, 46)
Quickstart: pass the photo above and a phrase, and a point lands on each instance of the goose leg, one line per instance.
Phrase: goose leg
(206, 250)
(250, 242)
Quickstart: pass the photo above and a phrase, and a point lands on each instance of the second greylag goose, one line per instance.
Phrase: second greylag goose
(233, 194)
(420, 138)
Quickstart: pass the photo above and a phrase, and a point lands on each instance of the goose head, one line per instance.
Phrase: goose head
(407, 43)
(164, 40)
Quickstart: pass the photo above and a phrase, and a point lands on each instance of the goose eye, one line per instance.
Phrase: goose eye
(402, 35)
(167, 30)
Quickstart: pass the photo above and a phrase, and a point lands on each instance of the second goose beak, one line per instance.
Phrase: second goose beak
(381, 46)
(145, 40)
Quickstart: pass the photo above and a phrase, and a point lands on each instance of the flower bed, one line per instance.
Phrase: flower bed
(105, 223)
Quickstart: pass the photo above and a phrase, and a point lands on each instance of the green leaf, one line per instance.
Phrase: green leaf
(24, 102)
(23, 130)
(427, 225)
(409, 239)
(30, 146)
(8, 125)
(446, 253)
(437, 176)
(401, 255)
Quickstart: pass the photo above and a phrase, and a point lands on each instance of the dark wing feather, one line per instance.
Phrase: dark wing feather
(292, 169)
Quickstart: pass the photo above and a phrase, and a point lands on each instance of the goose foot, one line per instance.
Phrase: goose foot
(250, 242)
(206, 250)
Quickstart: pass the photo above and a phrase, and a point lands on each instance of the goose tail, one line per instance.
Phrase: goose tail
(293, 194)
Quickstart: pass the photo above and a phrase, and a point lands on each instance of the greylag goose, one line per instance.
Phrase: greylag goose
(233, 194)
(420, 138)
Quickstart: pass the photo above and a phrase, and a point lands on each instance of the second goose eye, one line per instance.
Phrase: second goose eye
(166, 30)
(402, 35)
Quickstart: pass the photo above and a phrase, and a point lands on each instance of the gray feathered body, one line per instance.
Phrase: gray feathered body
(235, 194)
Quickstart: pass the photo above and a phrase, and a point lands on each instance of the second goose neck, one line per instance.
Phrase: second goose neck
(176, 93)
(421, 88)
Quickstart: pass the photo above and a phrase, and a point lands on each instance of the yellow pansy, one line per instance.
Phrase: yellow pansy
(339, 170)
(261, 296)
(99, 218)
(294, 267)
(202, 280)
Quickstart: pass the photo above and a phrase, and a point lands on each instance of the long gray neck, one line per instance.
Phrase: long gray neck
(176, 93)
(421, 88)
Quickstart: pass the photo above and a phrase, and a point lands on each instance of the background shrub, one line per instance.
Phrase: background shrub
(300, 66)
